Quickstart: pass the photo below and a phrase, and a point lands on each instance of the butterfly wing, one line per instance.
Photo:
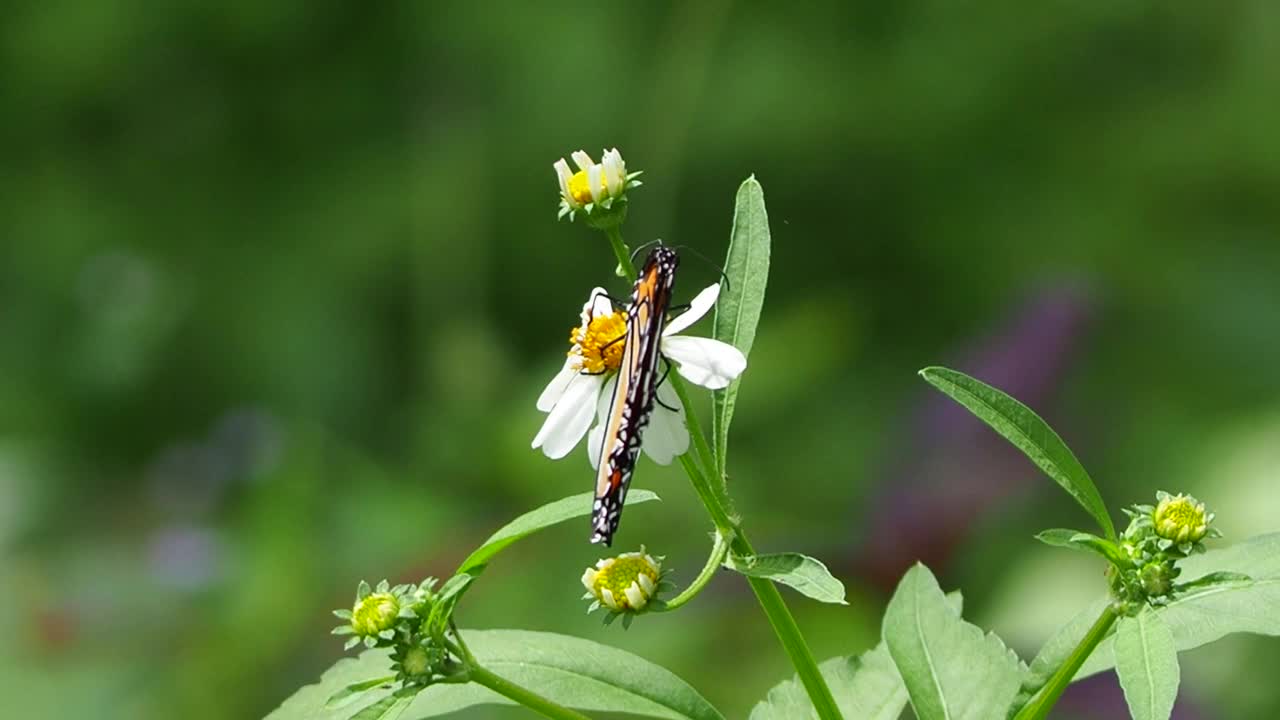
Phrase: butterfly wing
(633, 397)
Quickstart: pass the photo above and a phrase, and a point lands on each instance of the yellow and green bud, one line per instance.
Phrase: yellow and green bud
(1181, 518)
(626, 583)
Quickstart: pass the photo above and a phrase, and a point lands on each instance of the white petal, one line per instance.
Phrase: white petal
(593, 182)
(562, 172)
(606, 597)
(703, 361)
(589, 579)
(570, 418)
(595, 438)
(615, 176)
(599, 304)
(646, 584)
(583, 160)
(635, 598)
(666, 437)
(699, 307)
(555, 389)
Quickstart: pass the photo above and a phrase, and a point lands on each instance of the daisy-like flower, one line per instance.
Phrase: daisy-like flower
(625, 583)
(596, 186)
(581, 391)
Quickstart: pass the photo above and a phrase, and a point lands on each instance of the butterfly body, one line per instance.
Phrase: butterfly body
(632, 402)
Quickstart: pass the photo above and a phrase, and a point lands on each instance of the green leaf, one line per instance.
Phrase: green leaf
(800, 572)
(352, 692)
(1088, 542)
(448, 597)
(866, 687)
(952, 670)
(535, 520)
(1201, 615)
(1147, 665)
(738, 310)
(388, 708)
(1018, 424)
(570, 671)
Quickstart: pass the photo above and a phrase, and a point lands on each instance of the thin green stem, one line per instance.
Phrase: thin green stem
(1039, 706)
(622, 253)
(775, 608)
(524, 696)
(718, 551)
(700, 445)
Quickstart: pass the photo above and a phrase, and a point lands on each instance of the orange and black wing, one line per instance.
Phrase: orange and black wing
(633, 397)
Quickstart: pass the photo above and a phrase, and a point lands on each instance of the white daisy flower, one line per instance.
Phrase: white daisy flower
(582, 390)
(595, 186)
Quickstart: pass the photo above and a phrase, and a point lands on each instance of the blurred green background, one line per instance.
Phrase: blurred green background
(280, 282)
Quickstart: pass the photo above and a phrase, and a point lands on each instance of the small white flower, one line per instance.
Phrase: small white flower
(595, 185)
(583, 388)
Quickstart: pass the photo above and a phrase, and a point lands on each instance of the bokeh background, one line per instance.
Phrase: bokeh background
(280, 282)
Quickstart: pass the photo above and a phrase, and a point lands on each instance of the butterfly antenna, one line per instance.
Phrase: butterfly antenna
(708, 261)
(640, 249)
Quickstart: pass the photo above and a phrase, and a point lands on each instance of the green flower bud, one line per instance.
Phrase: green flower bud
(375, 613)
(1157, 578)
(1181, 518)
(416, 662)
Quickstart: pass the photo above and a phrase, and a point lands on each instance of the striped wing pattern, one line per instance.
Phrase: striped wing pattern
(633, 398)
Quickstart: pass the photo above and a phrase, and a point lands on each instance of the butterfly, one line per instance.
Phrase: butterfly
(633, 397)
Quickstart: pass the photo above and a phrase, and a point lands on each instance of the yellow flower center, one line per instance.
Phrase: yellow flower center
(617, 576)
(375, 613)
(580, 187)
(599, 345)
(1181, 518)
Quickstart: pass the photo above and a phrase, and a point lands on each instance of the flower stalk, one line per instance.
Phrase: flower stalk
(522, 695)
(771, 601)
(719, 550)
(1043, 701)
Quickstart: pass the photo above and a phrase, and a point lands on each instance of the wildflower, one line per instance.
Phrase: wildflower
(625, 583)
(1181, 518)
(582, 389)
(596, 187)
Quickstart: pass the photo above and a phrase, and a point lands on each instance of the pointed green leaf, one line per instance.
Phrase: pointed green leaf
(1088, 542)
(1018, 424)
(866, 687)
(388, 708)
(535, 520)
(952, 670)
(1147, 664)
(570, 671)
(801, 572)
(738, 309)
(350, 693)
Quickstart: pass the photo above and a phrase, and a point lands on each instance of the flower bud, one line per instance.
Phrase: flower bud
(1181, 518)
(625, 583)
(1157, 578)
(375, 613)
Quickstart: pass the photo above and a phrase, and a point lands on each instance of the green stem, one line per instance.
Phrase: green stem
(622, 253)
(1044, 700)
(718, 551)
(524, 696)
